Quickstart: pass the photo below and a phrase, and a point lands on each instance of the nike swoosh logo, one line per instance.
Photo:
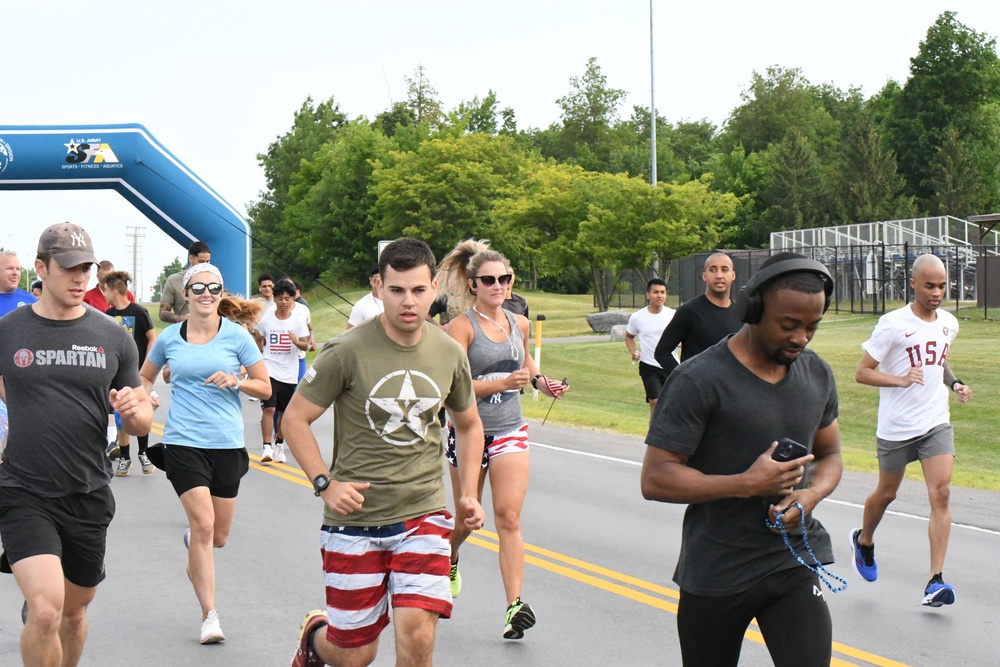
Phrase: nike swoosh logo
(909, 334)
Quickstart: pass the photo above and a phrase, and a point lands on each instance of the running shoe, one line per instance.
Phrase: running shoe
(456, 581)
(147, 465)
(187, 538)
(268, 455)
(124, 466)
(519, 618)
(279, 454)
(24, 613)
(305, 656)
(864, 558)
(211, 631)
(113, 450)
(938, 593)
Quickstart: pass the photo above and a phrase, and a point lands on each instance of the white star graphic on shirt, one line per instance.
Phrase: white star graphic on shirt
(404, 411)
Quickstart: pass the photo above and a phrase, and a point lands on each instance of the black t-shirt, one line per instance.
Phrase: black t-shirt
(697, 325)
(716, 411)
(136, 320)
(57, 375)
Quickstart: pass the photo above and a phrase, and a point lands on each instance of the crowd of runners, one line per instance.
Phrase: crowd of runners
(726, 380)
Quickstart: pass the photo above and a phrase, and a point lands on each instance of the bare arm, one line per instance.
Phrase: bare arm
(531, 366)
(866, 373)
(666, 477)
(343, 497)
(469, 443)
(824, 475)
(630, 344)
(963, 391)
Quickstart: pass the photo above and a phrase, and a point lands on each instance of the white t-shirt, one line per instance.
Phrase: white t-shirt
(307, 314)
(281, 355)
(901, 341)
(648, 327)
(366, 308)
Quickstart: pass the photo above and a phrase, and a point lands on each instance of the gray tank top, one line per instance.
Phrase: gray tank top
(490, 360)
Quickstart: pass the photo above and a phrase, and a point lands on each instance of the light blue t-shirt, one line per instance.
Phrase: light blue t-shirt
(202, 415)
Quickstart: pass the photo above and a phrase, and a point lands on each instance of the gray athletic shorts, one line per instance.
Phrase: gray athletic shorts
(894, 455)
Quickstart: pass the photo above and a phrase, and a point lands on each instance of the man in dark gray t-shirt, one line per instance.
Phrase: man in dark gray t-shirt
(710, 444)
(65, 366)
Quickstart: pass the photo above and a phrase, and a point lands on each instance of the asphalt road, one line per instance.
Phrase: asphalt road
(598, 574)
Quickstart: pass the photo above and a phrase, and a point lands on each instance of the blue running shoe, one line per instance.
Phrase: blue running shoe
(864, 558)
(938, 593)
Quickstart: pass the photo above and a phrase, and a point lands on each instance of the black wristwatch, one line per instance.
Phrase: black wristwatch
(320, 483)
(534, 380)
(956, 381)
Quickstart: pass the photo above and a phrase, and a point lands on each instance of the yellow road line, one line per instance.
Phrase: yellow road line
(562, 564)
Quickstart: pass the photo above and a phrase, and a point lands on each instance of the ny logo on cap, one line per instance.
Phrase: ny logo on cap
(77, 239)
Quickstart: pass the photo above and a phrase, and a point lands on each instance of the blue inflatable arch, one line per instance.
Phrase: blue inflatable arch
(128, 159)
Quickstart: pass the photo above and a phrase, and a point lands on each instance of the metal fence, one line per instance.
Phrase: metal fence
(872, 278)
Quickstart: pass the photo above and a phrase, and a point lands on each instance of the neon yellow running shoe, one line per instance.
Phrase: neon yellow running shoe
(456, 581)
(519, 618)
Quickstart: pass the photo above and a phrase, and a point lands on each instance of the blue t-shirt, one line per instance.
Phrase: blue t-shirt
(18, 297)
(202, 415)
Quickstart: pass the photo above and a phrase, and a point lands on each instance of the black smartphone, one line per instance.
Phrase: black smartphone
(789, 450)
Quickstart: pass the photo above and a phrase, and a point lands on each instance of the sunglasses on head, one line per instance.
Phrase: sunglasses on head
(199, 288)
(489, 281)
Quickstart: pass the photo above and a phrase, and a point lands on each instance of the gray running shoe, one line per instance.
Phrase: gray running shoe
(124, 466)
(147, 465)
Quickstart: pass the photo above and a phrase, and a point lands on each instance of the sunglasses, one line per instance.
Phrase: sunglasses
(199, 288)
(489, 281)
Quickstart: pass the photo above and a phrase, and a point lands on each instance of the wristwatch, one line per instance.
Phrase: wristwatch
(534, 380)
(957, 381)
(320, 483)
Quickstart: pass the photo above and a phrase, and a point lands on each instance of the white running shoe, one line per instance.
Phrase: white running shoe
(279, 453)
(211, 631)
(268, 454)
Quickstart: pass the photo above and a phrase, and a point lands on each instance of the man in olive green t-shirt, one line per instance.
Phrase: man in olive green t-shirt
(384, 516)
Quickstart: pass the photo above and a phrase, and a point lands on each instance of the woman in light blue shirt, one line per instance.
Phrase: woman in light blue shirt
(204, 454)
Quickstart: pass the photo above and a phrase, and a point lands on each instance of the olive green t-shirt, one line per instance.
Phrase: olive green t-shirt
(385, 400)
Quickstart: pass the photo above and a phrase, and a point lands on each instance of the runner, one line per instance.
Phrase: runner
(59, 357)
(710, 445)
(204, 454)
(385, 526)
(647, 324)
(137, 322)
(281, 333)
(909, 348)
(496, 342)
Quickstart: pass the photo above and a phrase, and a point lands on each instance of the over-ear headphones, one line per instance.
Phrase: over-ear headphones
(750, 299)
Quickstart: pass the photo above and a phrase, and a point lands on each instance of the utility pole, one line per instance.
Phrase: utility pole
(134, 236)
(652, 101)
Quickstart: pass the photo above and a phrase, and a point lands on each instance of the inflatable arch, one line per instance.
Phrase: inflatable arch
(127, 158)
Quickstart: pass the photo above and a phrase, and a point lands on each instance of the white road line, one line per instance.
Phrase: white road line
(845, 503)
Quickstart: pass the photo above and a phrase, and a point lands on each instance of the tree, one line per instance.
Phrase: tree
(421, 99)
(444, 191)
(588, 113)
(872, 188)
(954, 80)
(328, 212)
(313, 126)
(477, 116)
(168, 270)
(952, 179)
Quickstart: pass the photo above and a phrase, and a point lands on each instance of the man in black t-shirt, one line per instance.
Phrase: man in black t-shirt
(136, 320)
(61, 358)
(710, 445)
(703, 321)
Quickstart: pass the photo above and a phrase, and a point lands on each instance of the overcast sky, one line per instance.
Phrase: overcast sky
(217, 81)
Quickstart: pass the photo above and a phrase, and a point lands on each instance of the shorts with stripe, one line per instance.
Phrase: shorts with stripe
(496, 445)
(365, 565)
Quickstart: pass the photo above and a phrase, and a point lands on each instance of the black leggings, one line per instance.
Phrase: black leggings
(791, 612)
